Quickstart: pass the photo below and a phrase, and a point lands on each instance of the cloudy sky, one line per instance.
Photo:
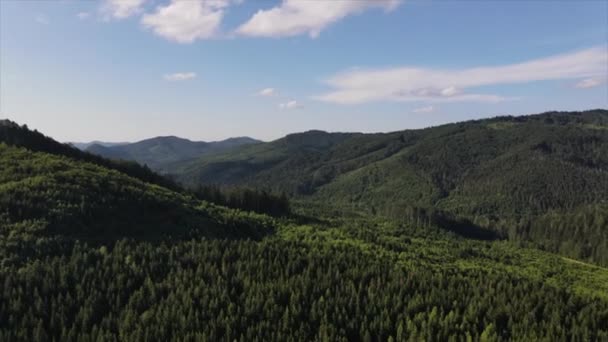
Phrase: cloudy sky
(124, 70)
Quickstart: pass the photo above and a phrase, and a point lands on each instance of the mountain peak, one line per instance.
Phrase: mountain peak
(314, 139)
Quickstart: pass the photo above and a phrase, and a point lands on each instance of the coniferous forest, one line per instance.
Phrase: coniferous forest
(472, 231)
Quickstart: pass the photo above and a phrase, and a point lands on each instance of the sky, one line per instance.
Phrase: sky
(126, 70)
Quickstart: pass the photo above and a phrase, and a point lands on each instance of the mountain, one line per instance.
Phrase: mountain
(276, 165)
(522, 177)
(159, 152)
(85, 145)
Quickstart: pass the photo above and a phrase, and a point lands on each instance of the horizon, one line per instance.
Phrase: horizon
(127, 71)
(101, 141)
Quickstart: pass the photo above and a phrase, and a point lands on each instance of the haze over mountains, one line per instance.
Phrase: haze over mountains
(157, 153)
(85, 145)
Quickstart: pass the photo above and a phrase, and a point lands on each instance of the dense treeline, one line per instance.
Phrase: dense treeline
(275, 290)
(580, 233)
(245, 199)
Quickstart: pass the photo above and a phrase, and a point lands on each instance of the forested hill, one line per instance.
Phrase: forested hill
(15, 135)
(540, 178)
(305, 163)
(161, 151)
(50, 189)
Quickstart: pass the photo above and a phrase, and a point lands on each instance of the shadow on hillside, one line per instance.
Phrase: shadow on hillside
(466, 228)
(164, 227)
(302, 219)
(433, 217)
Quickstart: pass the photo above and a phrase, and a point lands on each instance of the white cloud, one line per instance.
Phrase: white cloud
(186, 21)
(41, 19)
(295, 17)
(83, 15)
(267, 92)
(121, 9)
(292, 104)
(427, 109)
(180, 76)
(450, 85)
(589, 83)
(450, 91)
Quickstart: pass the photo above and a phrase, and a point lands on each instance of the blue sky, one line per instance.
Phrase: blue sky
(124, 70)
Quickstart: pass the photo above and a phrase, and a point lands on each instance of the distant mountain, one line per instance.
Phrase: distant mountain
(160, 152)
(540, 178)
(85, 145)
(108, 152)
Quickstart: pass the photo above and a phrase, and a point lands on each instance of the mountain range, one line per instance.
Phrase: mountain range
(84, 145)
(159, 152)
(540, 179)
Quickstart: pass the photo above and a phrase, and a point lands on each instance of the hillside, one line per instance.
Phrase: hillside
(92, 253)
(444, 154)
(13, 134)
(283, 165)
(158, 152)
(505, 174)
(69, 193)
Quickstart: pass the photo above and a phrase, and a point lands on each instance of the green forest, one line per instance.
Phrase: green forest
(472, 231)
(539, 180)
